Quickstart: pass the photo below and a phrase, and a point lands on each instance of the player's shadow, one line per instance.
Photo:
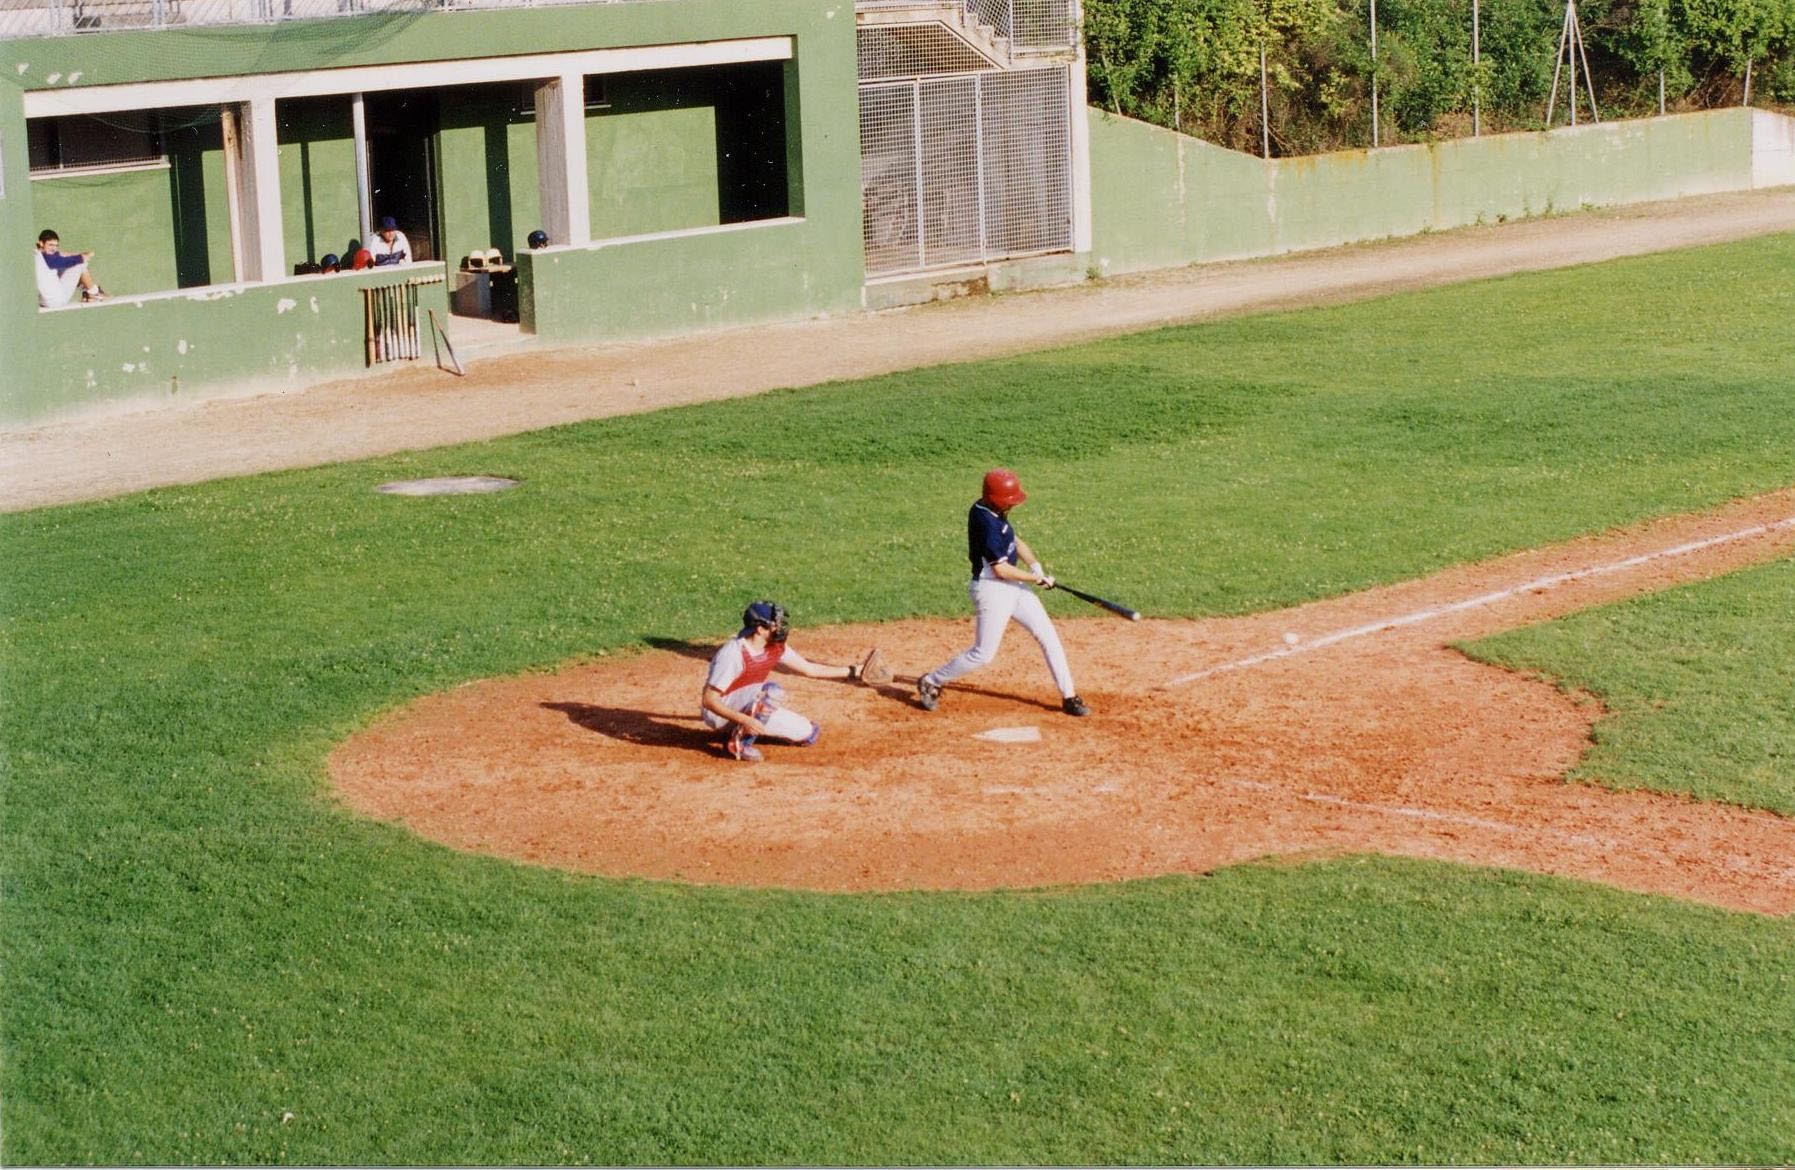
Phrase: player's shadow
(647, 728)
(681, 646)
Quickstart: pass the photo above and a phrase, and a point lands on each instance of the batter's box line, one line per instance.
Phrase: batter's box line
(1537, 585)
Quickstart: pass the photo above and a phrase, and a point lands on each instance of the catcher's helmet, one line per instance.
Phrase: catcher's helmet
(1003, 490)
(538, 239)
(769, 614)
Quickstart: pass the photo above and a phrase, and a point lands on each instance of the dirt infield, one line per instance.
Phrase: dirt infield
(175, 442)
(1343, 726)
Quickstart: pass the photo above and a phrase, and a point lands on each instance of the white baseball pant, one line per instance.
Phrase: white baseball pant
(56, 289)
(995, 602)
(781, 724)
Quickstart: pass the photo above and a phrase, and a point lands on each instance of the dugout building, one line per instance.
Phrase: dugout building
(695, 164)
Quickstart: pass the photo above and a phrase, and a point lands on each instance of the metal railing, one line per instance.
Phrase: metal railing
(1024, 27)
(51, 18)
(1030, 26)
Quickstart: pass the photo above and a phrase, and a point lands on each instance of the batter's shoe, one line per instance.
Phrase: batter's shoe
(1074, 706)
(928, 693)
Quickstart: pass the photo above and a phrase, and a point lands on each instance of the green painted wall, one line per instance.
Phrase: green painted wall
(126, 220)
(417, 34)
(667, 150)
(683, 284)
(1161, 199)
(487, 171)
(319, 212)
(652, 157)
(18, 236)
(272, 336)
(688, 148)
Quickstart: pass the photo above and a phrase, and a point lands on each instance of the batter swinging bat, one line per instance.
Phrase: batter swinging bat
(1114, 607)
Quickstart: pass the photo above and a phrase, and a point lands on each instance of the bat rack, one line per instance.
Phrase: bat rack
(390, 320)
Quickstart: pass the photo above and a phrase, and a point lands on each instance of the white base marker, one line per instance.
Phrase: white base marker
(1011, 735)
(1536, 585)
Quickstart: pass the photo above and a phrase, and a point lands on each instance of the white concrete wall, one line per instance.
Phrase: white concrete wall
(1772, 149)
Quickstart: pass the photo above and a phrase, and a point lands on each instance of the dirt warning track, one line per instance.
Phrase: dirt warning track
(1344, 726)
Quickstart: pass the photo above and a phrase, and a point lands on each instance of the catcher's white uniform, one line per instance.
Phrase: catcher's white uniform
(741, 675)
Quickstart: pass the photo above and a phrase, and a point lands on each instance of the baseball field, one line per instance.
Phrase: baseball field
(219, 948)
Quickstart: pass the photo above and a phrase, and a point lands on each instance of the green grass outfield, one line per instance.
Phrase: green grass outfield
(205, 960)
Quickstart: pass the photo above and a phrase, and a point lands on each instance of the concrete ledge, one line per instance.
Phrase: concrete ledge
(1028, 272)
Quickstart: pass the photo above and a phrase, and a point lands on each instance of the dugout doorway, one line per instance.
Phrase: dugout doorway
(403, 179)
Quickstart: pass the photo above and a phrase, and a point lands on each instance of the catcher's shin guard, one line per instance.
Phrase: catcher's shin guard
(741, 744)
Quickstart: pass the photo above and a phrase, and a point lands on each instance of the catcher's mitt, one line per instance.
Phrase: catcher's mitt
(874, 670)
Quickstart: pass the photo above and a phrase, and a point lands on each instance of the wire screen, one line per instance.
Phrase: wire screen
(1027, 162)
(914, 50)
(963, 169)
(889, 182)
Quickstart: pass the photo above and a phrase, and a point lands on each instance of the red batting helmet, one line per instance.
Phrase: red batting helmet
(1002, 489)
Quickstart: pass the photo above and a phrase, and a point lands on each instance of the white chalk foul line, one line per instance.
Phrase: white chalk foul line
(1425, 615)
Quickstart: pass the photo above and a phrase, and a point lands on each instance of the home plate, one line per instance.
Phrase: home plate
(1011, 735)
(447, 485)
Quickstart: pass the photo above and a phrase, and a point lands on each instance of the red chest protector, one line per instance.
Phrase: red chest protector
(756, 667)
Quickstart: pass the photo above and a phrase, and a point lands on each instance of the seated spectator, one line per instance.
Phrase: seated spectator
(59, 274)
(390, 245)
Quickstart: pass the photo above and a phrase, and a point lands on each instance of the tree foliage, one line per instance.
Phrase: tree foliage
(1194, 65)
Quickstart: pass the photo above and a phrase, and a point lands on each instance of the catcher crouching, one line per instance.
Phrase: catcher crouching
(739, 697)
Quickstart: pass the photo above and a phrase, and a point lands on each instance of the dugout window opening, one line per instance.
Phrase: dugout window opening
(143, 189)
(677, 149)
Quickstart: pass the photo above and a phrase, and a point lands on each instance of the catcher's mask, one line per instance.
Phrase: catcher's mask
(769, 614)
(1003, 490)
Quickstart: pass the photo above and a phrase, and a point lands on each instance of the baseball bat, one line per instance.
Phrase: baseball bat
(367, 308)
(1114, 607)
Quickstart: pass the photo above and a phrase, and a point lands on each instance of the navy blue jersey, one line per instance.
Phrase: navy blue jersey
(60, 262)
(989, 537)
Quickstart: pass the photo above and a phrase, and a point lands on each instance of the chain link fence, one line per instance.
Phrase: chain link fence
(965, 168)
